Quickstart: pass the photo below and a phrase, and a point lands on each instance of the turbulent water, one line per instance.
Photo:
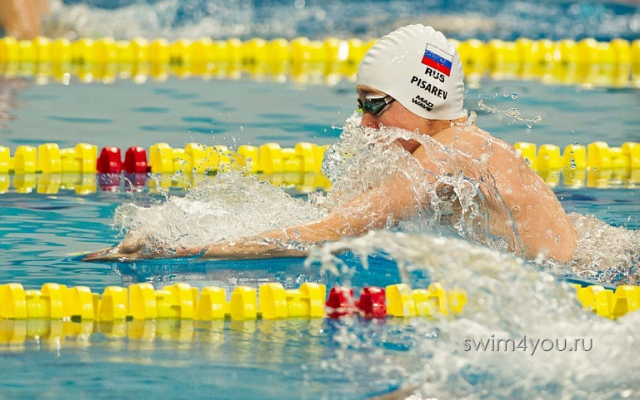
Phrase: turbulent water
(557, 350)
(226, 207)
(590, 357)
(170, 19)
(523, 333)
(232, 205)
(605, 253)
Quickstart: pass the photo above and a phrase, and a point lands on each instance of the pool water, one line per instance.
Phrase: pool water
(483, 19)
(249, 112)
(44, 237)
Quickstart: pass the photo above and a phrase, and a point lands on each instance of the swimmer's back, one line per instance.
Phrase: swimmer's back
(541, 221)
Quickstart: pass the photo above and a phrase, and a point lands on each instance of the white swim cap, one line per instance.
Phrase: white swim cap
(418, 67)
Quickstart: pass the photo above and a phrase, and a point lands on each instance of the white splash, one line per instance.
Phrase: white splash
(159, 20)
(508, 299)
(231, 205)
(605, 253)
(226, 206)
(511, 112)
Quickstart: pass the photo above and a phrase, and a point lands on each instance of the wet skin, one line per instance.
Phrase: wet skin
(541, 224)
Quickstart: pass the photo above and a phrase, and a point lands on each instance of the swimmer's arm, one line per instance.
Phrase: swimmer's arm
(21, 18)
(393, 200)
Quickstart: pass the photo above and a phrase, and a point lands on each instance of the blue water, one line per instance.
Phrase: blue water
(249, 112)
(43, 237)
(483, 19)
(255, 112)
(202, 360)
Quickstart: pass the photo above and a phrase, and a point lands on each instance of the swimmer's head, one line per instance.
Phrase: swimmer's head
(416, 66)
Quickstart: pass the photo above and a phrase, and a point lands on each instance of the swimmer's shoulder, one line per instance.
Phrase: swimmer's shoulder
(467, 138)
(474, 140)
(479, 144)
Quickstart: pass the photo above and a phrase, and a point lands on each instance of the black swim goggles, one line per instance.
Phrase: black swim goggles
(375, 106)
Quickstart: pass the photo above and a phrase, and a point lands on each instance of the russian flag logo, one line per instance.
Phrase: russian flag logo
(437, 59)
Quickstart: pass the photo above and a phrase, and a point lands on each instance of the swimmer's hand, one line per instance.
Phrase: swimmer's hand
(134, 248)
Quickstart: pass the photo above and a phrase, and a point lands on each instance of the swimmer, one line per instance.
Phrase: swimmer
(22, 18)
(411, 79)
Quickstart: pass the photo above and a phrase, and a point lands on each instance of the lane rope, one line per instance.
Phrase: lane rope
(613, 63)
(181, 301)
(48, 168)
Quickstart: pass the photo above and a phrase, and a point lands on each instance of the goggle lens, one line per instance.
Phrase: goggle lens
(375, 106)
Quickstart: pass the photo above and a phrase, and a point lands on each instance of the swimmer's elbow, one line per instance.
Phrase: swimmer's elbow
(567, 248)
(559, 248)
(569, 242)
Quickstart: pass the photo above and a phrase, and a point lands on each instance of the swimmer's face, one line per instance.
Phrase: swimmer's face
(395, 115)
